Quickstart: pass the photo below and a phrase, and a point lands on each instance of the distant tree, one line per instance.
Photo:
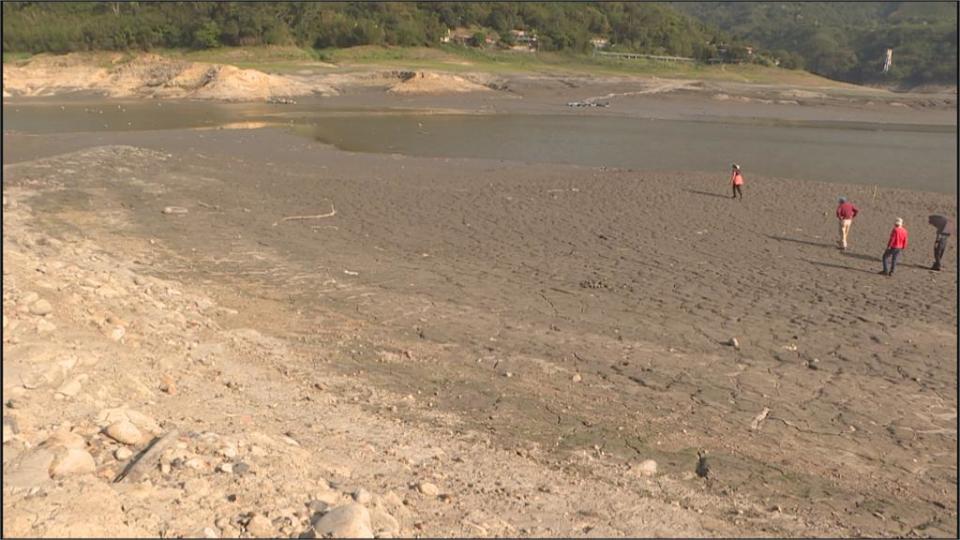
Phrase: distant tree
(478, 39)
(206, 36)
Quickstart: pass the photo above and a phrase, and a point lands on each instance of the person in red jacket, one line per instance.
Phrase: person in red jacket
(845, 214)
(736, 180)
(896, 244)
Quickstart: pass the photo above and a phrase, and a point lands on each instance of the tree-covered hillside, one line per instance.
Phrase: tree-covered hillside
(847, 40)
(841, 40)
(62, 27)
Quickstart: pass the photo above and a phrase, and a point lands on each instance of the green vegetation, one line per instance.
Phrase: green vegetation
(841, 40)
(78, 26)
(847, 40)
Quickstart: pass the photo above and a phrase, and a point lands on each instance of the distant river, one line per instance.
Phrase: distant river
(919, 157)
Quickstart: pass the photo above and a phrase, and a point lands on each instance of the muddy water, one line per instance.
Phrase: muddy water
(893, 156)
(916, 157)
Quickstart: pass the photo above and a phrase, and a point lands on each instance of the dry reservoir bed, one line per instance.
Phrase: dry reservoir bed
(577, 317)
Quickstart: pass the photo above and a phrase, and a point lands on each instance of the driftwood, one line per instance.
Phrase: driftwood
(331, 213)
(148, 459)
(757, 420)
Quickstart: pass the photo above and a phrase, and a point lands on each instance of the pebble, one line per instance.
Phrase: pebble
(197, 487)
(384, 525)
(29, 469)
(210, 532)
(260, 527)
(44, 326)
(41, 307)
(428, 489)
(225, 468)
(72, 461)
(241, 468)
(647, 467)
(123, 453)
(14, 403)
(734, 342)
(168, 385)
(65, 439)
(174, 210)
(317, 507)
(124, 431)
(72, 387)
(347, 521)
(328, 497)
(117, 333)
(577, 377)
(362, 496)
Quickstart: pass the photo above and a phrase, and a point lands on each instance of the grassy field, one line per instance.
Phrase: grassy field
(453, 59)
(462, 59)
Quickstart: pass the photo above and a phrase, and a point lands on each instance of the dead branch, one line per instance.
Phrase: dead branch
(148, 459)
(331, 213)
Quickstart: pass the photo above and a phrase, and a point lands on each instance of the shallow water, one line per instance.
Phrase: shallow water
(917, 157)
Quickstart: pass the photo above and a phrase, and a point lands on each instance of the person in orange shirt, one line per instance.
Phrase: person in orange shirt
(736, 180)
(896, 244)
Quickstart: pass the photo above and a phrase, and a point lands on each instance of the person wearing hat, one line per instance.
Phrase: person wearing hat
(945, 228)
(846, 211)
(736, 180)
(896, 244)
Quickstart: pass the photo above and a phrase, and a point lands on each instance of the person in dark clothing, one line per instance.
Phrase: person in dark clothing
(945, 229)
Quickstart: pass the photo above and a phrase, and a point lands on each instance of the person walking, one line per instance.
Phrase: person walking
(896, 245)
(736, 180)
(945, 228)
(846, 211)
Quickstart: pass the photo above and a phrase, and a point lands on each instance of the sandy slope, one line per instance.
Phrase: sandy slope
(150, 76)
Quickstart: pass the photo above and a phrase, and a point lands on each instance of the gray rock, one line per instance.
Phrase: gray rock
(347, 521)
(241, 468)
